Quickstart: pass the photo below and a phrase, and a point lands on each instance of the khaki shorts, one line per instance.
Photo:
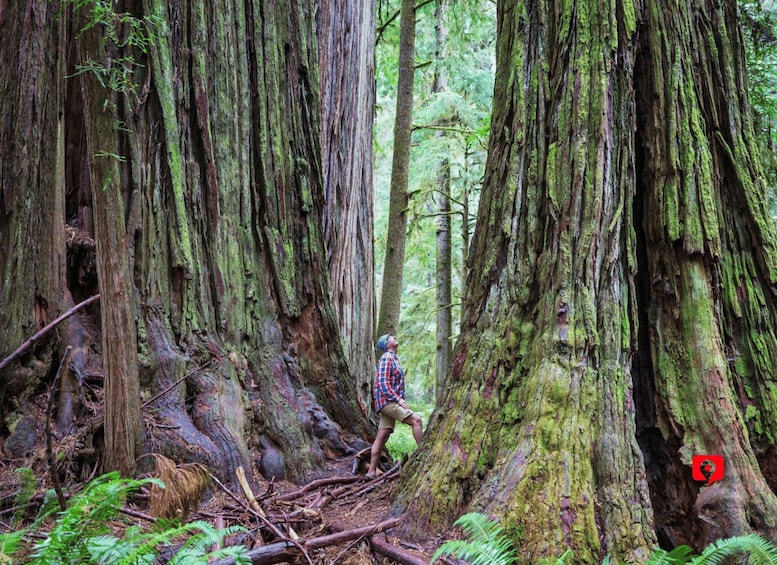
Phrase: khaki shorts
(390, 413)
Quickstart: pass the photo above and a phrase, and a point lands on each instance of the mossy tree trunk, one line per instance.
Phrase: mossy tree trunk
(32, 235)
(620, 306)
(238, 353)
(346, 54)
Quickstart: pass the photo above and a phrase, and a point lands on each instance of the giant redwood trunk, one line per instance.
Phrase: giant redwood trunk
(346, 54)
(220, 187)
(620, 309)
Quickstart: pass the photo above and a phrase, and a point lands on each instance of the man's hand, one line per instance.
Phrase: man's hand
(403, 404)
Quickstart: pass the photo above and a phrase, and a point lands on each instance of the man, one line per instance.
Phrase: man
(390, 400)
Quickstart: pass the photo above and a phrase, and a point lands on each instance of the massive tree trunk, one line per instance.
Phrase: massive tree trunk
(32, 235)
(346, 54)
(239, 352)
(621, 301)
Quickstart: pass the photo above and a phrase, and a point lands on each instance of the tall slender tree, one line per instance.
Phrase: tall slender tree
(620, 309)
(394, 262)
(443, 240)
(119, 341)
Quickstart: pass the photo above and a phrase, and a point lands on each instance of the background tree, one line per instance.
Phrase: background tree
(448, 125)
(346, 54)
(442, 199)
(620, 308)
(221, 185)
(394, 262)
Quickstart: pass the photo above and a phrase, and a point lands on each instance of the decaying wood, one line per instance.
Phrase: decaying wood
(393, 552)
(316, 484)
(241, 478)
(49, 450)
(286, 551)
(185, 485)
(44, 330)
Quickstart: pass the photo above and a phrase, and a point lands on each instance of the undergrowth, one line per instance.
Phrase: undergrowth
(85, 531)
(487, 545)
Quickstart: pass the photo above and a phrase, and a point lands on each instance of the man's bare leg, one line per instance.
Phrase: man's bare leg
(414, 421)
(377, 449)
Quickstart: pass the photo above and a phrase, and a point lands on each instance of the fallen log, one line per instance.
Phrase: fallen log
(286, 550)
(393, 552)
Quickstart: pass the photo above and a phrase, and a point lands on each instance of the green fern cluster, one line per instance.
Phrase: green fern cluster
(757, 550)
(487, 545)
(82, 533)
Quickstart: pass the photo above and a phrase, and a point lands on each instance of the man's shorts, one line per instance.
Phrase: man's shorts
(390, 413)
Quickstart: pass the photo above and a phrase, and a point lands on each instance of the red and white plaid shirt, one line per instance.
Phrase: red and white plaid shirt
(389, 381)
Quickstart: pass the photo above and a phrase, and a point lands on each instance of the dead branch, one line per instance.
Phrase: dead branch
(393, 552)
(43, 331)
(136, 514)
(387, 549)
(286, 551)
(318, 483)
(182, 379)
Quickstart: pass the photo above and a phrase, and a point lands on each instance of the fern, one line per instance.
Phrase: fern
(486, 545)
(87, 515)
(81, 533)
(759, 550)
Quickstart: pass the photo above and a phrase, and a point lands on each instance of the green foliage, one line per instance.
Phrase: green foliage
(758, 21)
(26, 489)
(487, 545)
(82, 532)
(119, 30)
(754, 548)
(450, 125)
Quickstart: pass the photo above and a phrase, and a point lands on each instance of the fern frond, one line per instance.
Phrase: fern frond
(478, 527)
(486, 544)
(678, 556)
(760, 551)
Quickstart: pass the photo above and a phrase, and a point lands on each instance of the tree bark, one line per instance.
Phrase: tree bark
(117, 319)
(442, 199)
(346, 54)
(620, 308)
(220, 180)
(394, 261)
(32, 235)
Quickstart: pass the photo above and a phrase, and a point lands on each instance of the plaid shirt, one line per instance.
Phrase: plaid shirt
(389, 381)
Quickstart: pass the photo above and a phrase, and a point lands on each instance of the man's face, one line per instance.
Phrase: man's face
(392, 342)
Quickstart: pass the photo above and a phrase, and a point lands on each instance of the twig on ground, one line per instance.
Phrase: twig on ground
(136, 514)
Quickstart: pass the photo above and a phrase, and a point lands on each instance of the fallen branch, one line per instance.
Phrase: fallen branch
(43, 331)
(318, 483)
(394, 552)
(286, 551)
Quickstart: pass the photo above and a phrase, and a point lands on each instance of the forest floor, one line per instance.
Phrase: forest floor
(333, 517)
